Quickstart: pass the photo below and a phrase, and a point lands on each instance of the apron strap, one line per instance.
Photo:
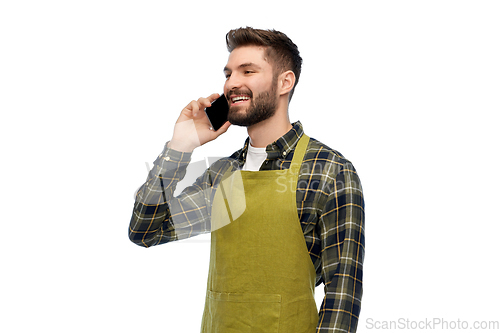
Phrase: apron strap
(298, 155)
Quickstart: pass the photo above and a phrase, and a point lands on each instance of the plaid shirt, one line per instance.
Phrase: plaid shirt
(330, 207)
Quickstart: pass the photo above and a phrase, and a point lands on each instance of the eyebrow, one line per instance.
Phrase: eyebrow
(247, 64)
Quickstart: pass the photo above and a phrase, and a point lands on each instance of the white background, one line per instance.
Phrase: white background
(90, 90)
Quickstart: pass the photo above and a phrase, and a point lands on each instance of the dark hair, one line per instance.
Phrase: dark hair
(282, 53)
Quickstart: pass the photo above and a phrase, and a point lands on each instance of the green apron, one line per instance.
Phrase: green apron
(261, 277)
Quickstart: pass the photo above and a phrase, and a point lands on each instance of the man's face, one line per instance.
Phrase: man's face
(250, 86)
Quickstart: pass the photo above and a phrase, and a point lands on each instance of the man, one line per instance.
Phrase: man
(286, 212)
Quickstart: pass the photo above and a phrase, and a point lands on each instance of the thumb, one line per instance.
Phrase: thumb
(223, 128)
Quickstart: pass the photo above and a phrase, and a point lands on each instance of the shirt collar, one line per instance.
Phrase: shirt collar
(279, 148)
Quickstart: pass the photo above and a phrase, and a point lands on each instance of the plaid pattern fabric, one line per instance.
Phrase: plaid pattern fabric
(330, 207)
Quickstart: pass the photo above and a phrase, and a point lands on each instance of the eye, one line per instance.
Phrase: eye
(248, 72)
(227, 76)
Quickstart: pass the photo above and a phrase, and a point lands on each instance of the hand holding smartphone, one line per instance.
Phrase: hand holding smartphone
(217, 112)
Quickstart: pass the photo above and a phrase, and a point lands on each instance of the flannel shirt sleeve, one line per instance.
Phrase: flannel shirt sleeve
(343, 246)
(158, 217)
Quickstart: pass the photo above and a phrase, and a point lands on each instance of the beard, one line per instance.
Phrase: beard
(261, 108)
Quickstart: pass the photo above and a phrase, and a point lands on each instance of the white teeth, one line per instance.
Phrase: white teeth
(239, 98)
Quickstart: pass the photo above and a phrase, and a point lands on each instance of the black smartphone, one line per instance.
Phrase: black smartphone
(217, 113)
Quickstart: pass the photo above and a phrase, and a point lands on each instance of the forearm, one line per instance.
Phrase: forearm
(151, 223)
(158, 217)
(342, 224)
(341, 305)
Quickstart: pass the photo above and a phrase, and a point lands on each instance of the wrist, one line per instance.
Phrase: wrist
(181, 146)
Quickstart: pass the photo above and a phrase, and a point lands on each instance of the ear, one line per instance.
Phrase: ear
(286, 82)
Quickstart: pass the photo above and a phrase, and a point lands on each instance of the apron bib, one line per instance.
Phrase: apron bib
(261, 277)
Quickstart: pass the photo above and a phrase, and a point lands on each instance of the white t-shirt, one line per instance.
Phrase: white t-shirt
(255, 158)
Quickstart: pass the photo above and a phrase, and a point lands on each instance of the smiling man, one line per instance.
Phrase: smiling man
(285, 212)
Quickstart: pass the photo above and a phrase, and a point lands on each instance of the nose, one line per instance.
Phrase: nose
(232, 83)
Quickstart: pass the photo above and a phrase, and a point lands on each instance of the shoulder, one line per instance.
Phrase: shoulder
(339, 179)
(331, 160)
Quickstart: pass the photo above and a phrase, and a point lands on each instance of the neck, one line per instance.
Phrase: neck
(270, 130)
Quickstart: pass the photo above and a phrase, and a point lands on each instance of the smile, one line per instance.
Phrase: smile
(239, 99)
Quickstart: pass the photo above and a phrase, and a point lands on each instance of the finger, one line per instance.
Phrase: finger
(189, 107)
(223, 128)
(195, 107)
(213, 97)
(202, 104)
(207, 102)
